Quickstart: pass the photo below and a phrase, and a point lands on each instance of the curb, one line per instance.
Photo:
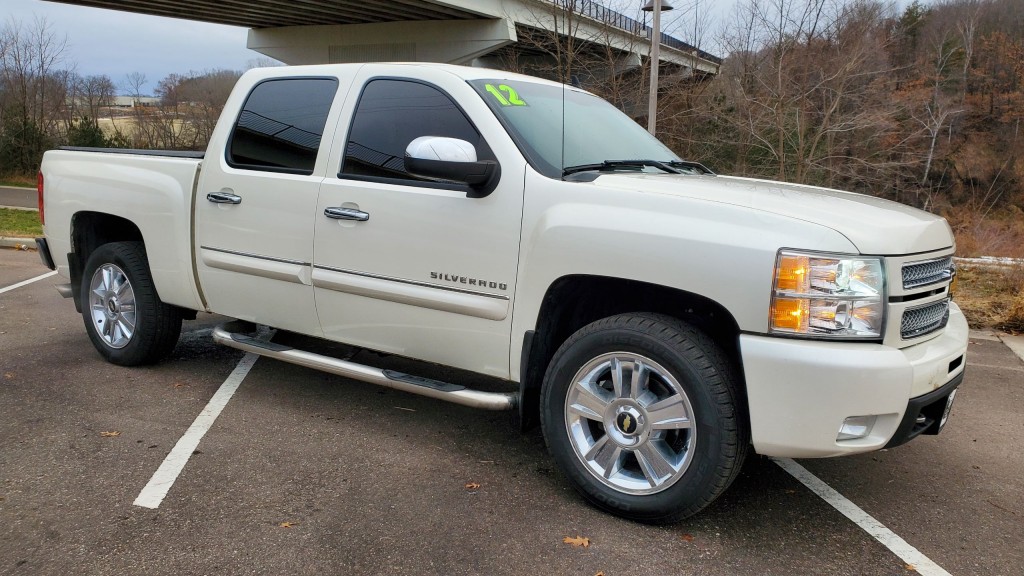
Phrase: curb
(1015, 343)
(984, 335)
(18, 243)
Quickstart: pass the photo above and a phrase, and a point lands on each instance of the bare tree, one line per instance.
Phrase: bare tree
(33, 92)
(31, 62)
(94, 93)
(262, 62)
(134, 84)
(805, 86)
(188, 109)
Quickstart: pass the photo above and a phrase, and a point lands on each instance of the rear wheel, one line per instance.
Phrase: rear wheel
(640, 412)
(124, 317)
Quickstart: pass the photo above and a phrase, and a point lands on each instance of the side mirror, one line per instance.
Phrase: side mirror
(451, 159)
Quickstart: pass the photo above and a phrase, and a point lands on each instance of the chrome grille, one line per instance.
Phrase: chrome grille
(924, 319)
(917, 274)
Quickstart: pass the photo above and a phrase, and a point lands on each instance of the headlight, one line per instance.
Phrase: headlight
(828, 295)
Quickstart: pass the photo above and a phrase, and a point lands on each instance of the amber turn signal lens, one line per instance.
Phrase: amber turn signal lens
(791, 275)
(789, 314)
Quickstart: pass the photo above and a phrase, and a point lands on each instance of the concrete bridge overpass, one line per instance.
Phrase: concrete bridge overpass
(470, 32)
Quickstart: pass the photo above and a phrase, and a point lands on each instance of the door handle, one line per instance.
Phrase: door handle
(224, 198)
(346, 214)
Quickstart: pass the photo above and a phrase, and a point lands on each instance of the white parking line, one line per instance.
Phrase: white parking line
(898, 546)
(155, 491)
(27, 282)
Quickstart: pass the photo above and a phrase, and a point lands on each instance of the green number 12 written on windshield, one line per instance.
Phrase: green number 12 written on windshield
(506, 95)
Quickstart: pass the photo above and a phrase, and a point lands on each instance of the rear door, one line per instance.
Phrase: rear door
(256, 203)
(430, 273)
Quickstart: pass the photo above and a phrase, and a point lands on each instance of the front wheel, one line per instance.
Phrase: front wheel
(640, 411)
(124, 317)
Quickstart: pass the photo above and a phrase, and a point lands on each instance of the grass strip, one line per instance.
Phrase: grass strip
(20, 223)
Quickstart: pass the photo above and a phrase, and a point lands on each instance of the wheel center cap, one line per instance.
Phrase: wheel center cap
(629, 421)
(112, 306)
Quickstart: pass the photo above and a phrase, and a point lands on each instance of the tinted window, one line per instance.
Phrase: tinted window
(393, 113)
(281, 125)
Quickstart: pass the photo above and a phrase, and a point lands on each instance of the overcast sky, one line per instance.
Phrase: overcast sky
(119, 43)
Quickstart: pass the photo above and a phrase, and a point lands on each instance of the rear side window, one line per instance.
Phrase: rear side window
(281, 125)
(393, 113)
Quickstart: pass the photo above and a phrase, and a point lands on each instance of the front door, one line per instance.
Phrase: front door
(430, 273)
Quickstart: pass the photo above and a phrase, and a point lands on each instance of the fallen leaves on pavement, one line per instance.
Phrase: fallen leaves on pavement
(687, 537)
(288, 524)
(472, 485)
(110, 434)
(577, 541)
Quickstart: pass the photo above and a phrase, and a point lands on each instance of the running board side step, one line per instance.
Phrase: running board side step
(453, 393)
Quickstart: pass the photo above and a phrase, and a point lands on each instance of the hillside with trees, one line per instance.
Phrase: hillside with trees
(923, 107)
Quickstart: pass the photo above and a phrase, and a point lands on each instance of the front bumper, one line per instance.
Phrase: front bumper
(800, 391)
(925, 414)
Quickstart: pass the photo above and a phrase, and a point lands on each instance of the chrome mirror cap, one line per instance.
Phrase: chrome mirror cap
(441, 148)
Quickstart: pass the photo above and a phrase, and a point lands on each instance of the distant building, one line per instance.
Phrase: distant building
(132, 101)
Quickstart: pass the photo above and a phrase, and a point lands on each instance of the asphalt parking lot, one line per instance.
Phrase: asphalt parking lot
(308, 473)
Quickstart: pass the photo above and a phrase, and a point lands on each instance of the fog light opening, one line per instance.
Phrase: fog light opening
(856, 427)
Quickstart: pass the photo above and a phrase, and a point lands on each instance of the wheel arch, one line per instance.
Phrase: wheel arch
(573, 301)
(89, 231)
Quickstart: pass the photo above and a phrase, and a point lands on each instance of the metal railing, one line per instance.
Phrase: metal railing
(595, 10)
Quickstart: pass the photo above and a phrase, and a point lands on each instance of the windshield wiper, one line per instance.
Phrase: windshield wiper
(670, 166)
(612, 165)
(690, 165)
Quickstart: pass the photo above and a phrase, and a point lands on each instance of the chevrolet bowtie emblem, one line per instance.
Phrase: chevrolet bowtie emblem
(626, 423)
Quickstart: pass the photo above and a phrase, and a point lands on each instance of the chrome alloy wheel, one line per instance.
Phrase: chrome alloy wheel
(630, 423)
(112, 305)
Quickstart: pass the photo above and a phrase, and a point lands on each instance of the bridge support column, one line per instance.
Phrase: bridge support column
(450, 41)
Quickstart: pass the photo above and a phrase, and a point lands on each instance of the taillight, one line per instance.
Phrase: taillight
(39, 189)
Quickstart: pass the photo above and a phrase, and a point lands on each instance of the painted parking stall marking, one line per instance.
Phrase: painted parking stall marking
(898, 546)
(27, 282)
(160, 484)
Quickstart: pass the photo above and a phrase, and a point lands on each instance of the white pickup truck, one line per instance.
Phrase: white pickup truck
(659, 319)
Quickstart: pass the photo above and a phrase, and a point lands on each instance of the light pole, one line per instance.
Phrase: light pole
(657, 7)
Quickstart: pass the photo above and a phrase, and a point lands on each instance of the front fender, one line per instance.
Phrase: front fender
(722, 252)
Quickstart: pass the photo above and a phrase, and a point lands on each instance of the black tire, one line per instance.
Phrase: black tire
(157, 326)
(706, 456)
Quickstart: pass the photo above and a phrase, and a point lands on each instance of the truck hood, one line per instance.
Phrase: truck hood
(874, 225)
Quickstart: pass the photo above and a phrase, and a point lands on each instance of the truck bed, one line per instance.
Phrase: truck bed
(192, 154)
(150, 189)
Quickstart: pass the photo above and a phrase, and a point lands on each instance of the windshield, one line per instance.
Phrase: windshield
(595, 131)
